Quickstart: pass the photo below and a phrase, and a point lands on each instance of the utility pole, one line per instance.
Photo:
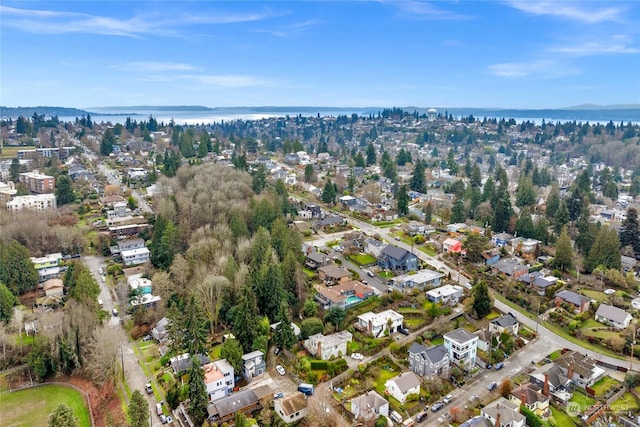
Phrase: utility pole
(122, 360)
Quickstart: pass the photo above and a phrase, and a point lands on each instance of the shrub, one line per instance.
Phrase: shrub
(318, 365)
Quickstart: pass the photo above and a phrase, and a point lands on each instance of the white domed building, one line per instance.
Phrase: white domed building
(432, 113)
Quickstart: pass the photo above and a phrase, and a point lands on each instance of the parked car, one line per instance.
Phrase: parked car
(421, 416)
(100, 270)
(609, 291)
(114, 312)
(448, 398)
(148, 388)
(492, 386)
(370, 273)
(163, 419)
(278, 395)
(277, 351)
(280, 370)
(357, 356)
(403, 330)
(499, 366)
(147, 338)
(437, 406)
(159, 409)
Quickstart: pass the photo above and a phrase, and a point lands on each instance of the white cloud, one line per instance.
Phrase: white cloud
(542, 69)
(596, 48)
(569, 10)
(229, 80)
(153, 67)
(425, 11)
(55, 22)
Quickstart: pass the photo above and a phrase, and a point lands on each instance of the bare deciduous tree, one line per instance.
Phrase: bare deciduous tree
(211, 290)
(104, 348)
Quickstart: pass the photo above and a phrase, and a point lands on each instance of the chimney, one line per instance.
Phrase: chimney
(370, 326)
(523, 398)
(319, 351)
(545, 389)
(498, 415)
(570, 372)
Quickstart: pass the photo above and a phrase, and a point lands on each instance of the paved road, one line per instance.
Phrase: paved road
(133, 373)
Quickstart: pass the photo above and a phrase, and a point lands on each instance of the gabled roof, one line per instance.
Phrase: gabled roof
(505, 321)
(572, 297)
(334, 272)
(395, 252)
(370, 399)
(531, 393)
(612, 313)
(317, 257)
(293, 403)
(436, 354)
(233, 403)
(460, 336)
(406, 381)
(582, 364)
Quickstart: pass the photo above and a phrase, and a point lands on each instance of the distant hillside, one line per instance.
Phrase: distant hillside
(40, 110)
(116, 109)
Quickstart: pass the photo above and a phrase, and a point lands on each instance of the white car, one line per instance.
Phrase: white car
(280, 370)
(357, 356)
(609, 291)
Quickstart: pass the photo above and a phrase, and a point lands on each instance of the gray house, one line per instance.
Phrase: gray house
(429, 362)
(397, 259)
(253, 364)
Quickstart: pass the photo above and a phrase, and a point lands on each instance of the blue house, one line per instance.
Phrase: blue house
(501, 239)
(397, 259)
(491, 256)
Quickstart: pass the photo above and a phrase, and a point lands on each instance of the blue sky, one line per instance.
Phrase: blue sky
(512, 54)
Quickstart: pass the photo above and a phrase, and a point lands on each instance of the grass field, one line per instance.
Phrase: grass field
(596, 295)
(561, 417)
(12, 151)
(363, 259)
(603, 385)
(582, 399)
(31, 407)
(627, 402)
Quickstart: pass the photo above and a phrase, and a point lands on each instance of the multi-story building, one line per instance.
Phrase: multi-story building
(462, 347)
(38, 202)
(429, 362)
(38, 183)
(219, 379)
(377, 323)
(135, 256)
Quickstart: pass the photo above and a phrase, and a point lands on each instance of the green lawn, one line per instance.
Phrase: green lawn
(600, 333)
(592, 323)
(561, 417)
(383, 377)
(603, 385)
(9, 152)
(31, 407)
(555, 355)
(409, 310)
(363, 259)
(627, 402)
(582, 399)
(413, 323)
(596, 295)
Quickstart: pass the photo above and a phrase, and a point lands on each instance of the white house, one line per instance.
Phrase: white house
(377, 323)
(505, 412)
(324, 347)
(462, 347)
(36, 202)
(291, 408)
(253, 364)
(219, 379)
(614, 316)
(506, 323)
(135, 256)
(446, 294)
(369, 406)
(403, 385)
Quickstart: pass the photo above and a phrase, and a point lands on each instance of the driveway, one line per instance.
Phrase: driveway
(132, 372)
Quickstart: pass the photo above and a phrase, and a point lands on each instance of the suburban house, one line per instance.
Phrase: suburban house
(531, 396)
(484, 339)
(253, 364)
(129, 244)
(369, 406)
(403, 385)
(501, 239)
(224, 409)
(219, 379)
(504, 413)
(452, 246)
(579, 303)
(429, 362)
(552, 381)
(182, 363)
(397, 259)
(343, 295)
(373, 246)
(329, 222)
(459, 227)
(538, 281)
(377, 323)
(506, 323)
(316, 259)
(53, 287)
(295, 328)
(477, 421)
(160, 332)
(613, 316)
(461, 346)
(510, 267)
(528, 246)
(326, 346)
(48, 266)
(490, 256)
(628, 263)
(447, 294)
(142, 288)
(291, 408)
(422, 279)
(332, 275)
(135, 256)
(581, 369)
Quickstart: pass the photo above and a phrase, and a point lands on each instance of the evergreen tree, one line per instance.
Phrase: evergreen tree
(562, 217)
(329, 193)
(428, 213)
(586, 233)
(202, 150)
(526, 193)
(63, 416)
(564, 258)
(16, 269)
(198, 400)
(524, 225)
(7, 301)
(64, 191)
(458, 213)
(284, 336)
(107, 142)
(138, 410)
(269, 290)
(259, 179)
(14, 170)
(232, 351)
(359, 161)
(245, 319)
(553, 202)
(402, 201)
(482, 302)
(605, 251)
(417, 182)
(193, 322)
(474, 244)
(309, 173)
(630, 231)
(371, 154)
